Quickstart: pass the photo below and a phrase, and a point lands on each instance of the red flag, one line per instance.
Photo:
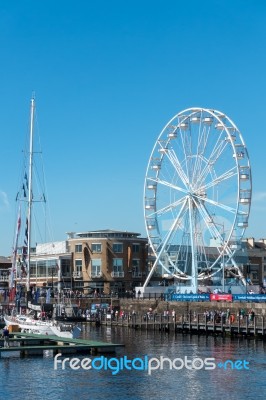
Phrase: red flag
(12, 294)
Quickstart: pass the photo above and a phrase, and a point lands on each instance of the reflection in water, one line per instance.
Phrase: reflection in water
(36, 376)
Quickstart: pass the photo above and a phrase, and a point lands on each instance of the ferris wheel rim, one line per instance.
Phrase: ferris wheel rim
(219, 116)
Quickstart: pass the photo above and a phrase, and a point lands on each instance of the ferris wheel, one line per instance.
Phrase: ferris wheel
(197, 195)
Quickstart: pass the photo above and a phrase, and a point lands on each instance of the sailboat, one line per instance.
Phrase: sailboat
(20, 271)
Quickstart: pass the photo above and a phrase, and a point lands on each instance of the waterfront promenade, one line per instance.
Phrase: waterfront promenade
(201, 317)
(219, 318)
(219, 324)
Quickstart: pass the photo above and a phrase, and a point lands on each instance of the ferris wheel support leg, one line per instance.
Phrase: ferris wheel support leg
(241, 276)
(236, 266)
(194, 277)
(164, 245)
(150, 273)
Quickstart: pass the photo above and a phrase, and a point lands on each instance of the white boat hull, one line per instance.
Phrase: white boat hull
(43, 327)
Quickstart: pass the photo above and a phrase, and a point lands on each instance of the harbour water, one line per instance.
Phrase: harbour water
(32, 377)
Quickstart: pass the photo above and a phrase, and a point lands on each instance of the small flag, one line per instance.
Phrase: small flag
(26, 180)
(48, 296)
(37, 295)
(24, 191)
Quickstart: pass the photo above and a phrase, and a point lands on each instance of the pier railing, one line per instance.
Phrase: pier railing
(191, 322)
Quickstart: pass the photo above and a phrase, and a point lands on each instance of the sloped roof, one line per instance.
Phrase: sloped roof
(5, 260)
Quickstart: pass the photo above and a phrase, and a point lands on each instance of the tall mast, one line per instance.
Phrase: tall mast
(32, 109)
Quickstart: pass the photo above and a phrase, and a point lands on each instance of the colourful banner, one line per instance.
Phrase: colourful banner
(190, 297)
(221, 297)
(250, 297)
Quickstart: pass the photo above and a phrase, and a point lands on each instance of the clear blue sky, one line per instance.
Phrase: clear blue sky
(108, 75)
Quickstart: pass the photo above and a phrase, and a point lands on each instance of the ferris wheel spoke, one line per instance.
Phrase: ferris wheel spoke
(201, 149)
(209, 223)
(165, 240)
(190, 161)
(218, 147)
(176, 164)
(169, 207)
(171, 185)
(182, 256)
(194, 269)
(198, 166)
(219, 205)
(205, 217)
(212, 159)
(186, 151)
(219, 179)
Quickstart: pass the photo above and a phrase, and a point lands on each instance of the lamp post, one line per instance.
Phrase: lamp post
(52, 270)
(222, 244)
(223, 266)
(248, 272)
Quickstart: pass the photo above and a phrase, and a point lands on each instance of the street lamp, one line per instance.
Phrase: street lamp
(223, 267)
(52, 270)
(248, 272)
(222, 244)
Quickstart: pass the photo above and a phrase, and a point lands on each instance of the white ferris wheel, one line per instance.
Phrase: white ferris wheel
(197, 196)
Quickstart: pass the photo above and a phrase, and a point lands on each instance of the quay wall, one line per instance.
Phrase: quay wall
(159, 306)
(181, 307)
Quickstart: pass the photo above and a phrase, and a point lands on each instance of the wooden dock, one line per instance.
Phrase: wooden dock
(35, 344)
(198, 324)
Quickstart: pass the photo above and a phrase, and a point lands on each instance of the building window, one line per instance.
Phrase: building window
(33, 269)
(79, 284)
(96, 268)
(78, 248)
(41, 269)
(96, 247)
(254, 276)
(136, 262)
(135, 248)
(118, 264)
(136, 273)
(78, 268)
(118, 269)
(65, 267)
(118, 247)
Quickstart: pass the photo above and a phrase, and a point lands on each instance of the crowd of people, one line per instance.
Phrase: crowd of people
(227, 317)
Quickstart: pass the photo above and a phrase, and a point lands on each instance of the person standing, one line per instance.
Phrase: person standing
(5, 335)
(173, 315)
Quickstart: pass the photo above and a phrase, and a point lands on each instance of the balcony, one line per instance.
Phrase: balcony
(136, 274)
(96, 274)
(117, 274)
(77, 275)
(4, 277)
